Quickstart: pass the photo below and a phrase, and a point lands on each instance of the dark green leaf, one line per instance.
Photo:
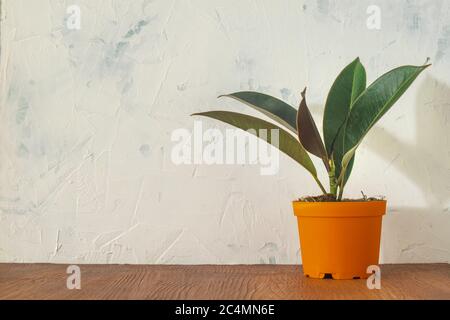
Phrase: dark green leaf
(274, 108)
(287, 143)
(350, 83)
(372, 104)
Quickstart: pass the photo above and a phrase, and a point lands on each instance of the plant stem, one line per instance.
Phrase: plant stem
(341, 190)
(333, 181)
(341, 193)
(320, 185)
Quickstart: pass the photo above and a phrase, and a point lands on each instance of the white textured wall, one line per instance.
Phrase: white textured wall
(86, 118)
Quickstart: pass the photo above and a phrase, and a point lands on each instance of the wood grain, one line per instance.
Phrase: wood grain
(38, 281)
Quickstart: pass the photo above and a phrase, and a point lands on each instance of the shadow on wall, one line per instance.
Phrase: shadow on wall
(419, 233)
(415, 234)
(425, 161)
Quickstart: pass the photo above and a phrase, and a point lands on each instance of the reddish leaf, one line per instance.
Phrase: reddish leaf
(308, 134)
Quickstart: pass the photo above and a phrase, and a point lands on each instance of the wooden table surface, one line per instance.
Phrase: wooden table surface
(278, 282)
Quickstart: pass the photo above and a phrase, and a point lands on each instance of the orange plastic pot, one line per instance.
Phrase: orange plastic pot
(339, 239)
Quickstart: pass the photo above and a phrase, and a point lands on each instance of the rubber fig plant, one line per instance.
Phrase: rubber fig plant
(351, 110)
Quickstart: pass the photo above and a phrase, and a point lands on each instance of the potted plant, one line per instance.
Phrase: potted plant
(339, 238)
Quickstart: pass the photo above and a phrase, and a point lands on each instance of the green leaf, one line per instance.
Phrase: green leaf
(274, 108)
(349, 84)
(372, 104)
(348, 169)
(287, 143)
(308, 134)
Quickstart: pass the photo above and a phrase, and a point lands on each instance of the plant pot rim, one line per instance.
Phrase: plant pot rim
(340, 209)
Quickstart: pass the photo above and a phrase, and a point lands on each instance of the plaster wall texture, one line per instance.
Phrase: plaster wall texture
(86, 118)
